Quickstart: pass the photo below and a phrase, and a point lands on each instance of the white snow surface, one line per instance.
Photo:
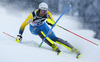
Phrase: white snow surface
(26, 51)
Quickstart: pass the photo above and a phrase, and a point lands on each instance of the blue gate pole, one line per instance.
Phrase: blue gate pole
(54, 25)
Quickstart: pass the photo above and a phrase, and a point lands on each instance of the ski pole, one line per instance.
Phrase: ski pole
(77, 35)
(13, 37)
(9, 35)
(54, 25)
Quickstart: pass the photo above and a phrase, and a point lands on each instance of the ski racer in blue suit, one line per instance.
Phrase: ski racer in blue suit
(38, 26)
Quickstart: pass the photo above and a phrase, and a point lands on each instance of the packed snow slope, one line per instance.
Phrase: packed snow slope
(28, 50)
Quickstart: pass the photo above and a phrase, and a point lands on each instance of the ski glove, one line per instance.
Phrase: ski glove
(19, 38)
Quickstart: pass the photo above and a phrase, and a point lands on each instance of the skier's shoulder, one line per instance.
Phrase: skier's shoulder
(48, 12)
(35, 12)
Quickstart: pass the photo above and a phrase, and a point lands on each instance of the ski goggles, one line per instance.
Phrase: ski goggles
(43, 11)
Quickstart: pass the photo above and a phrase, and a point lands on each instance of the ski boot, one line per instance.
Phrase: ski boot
(78, 55)
(55, 47)
(58, 51)
(77, 52)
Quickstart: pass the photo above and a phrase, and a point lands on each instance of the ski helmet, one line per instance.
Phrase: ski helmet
(43, 6)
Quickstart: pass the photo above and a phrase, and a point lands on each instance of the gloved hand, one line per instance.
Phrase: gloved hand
(19, 38)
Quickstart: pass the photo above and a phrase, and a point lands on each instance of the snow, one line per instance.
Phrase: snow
(10, 51)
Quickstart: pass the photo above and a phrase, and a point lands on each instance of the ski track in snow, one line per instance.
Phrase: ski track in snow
(28, 50)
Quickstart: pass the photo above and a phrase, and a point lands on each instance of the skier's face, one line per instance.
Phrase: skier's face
(43, 12)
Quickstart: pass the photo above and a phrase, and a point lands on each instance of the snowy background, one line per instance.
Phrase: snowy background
(13, 13)
(87, 10)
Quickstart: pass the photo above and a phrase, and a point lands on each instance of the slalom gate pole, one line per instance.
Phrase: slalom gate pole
(54, 25)
(78, 35)
(9, 35)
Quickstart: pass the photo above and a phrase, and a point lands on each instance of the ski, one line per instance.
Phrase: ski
(78, 56)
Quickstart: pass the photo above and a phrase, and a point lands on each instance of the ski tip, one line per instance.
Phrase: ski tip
(78, 56)
(59, 53)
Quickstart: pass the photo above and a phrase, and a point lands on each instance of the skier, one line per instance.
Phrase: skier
(38, 26)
